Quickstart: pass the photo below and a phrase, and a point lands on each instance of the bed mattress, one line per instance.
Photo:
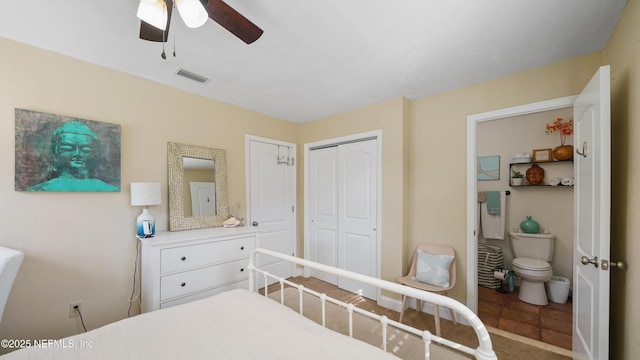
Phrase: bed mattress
(236, 324)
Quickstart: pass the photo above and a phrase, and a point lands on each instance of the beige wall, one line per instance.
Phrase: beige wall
(81, 246)
(623, 53)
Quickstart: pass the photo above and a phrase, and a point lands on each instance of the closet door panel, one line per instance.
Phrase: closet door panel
(323, 208)
(357, 202)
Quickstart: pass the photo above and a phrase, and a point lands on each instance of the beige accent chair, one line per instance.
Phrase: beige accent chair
(10, 261)
(409, 280)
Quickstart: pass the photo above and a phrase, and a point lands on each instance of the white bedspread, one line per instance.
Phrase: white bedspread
(233, 325)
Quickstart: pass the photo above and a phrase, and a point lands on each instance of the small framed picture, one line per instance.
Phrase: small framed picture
(541, 155)
(488, 167)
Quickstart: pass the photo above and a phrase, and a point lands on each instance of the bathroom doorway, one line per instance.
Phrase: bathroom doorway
(591, 243)
(503, 133)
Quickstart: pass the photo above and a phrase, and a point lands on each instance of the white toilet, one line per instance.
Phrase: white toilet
(531, 256)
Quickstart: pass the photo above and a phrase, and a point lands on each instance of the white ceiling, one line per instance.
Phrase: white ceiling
(320, 58)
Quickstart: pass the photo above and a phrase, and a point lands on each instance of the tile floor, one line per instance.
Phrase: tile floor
(551, 323)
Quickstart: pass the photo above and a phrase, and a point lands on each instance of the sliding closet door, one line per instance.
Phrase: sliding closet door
(357, 212)
(323, 210)
(342, 192)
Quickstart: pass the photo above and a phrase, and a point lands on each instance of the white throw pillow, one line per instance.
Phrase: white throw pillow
(433, 269)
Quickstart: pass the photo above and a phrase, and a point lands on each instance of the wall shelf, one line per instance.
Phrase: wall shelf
(563, 167)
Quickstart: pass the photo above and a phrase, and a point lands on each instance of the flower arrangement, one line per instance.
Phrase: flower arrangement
(565, 128)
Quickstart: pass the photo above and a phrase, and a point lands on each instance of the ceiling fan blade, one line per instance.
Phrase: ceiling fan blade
(152, 33)
(233, 21)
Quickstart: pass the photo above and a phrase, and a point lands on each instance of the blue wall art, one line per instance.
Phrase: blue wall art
(66, 154)
(488, 167)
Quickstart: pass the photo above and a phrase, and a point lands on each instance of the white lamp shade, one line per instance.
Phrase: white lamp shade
(145, 194)
(154, 13)
(192, 12)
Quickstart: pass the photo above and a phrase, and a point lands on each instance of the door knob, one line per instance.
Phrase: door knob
(586, 261)
(255, 223)
(619, 265)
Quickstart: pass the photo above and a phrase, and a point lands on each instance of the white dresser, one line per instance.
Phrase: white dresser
(178, 267)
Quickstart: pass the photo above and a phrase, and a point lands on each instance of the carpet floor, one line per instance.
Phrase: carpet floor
(505, 345)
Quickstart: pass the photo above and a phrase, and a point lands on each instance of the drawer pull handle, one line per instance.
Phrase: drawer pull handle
(183, 258)
(241, 247)
(241, 270)
(183, 284)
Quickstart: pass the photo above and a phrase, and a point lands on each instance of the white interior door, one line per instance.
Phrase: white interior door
(323, 210)
(357, 213)
(592, 200)
(271, 198)
(203, 198)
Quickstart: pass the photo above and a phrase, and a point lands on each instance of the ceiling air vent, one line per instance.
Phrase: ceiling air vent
(193, 76)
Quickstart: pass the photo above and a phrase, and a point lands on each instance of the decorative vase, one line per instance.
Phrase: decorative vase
(563, 152)
(535, 175)
(517, 181)
(529, 226)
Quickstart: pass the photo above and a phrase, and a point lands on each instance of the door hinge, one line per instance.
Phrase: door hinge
(293, 208)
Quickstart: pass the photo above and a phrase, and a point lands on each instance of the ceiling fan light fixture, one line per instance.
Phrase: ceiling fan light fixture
(192, 12)
(153, 12)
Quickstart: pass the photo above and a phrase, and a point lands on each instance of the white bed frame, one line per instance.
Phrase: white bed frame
(483, 352)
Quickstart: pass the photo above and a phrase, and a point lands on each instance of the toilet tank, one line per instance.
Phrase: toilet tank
(533, 246)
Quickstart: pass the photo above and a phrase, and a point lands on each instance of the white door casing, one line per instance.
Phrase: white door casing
(271, 200)
(472, 189)
(592, 206)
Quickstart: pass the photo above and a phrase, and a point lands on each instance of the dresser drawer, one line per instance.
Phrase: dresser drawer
(197, 280)
(243, 284)
(192, 256)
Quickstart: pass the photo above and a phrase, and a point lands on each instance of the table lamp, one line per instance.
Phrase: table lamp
(145, 194)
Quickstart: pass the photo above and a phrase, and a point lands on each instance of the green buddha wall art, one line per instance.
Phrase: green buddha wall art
(65, 154)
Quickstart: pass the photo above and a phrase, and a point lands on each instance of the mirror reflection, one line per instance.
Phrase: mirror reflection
(199, 187)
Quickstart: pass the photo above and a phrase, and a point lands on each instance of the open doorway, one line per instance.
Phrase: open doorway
(504, 134)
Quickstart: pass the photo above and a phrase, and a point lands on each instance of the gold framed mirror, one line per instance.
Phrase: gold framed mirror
(197, 187)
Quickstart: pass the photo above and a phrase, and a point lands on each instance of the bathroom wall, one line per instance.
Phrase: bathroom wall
(552, 207)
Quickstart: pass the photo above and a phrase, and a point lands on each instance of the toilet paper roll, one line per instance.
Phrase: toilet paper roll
(499, 275)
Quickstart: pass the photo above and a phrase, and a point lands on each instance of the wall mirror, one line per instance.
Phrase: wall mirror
(197, 187)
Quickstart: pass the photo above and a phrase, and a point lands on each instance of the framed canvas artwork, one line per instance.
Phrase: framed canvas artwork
(65, 154)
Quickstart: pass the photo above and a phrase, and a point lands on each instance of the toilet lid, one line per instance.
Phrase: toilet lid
(531, 264)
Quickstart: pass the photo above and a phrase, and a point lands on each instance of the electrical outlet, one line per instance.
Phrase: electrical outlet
(238, 205)
(75, 308)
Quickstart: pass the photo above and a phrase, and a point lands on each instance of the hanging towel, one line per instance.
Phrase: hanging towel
(493, 202)
(493, 225)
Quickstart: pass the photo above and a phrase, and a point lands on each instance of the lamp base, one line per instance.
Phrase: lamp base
(145, 224)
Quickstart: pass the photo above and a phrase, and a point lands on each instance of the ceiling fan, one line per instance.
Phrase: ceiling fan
(156, 17)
